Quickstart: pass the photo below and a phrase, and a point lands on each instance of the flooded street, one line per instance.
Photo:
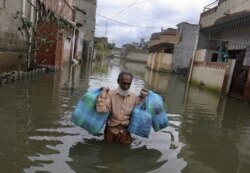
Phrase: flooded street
(206, 133)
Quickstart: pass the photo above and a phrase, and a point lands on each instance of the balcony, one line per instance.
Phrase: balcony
(210, 9)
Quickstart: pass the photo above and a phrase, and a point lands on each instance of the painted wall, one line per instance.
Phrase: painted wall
(200, 55)
(209, 74)
(226, 7)
(160, 61)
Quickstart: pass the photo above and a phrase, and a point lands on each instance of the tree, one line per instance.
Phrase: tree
(102, 50)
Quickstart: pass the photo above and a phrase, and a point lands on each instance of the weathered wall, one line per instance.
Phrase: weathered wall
(227, 7)
(209, 74)
(200, 55)
(62, 8)
(11, 42)
(88, 29)
(183, 51)
(160, 61)
(165, 39)
(137, 56)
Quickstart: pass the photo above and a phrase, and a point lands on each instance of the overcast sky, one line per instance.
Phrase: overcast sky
(127, 21)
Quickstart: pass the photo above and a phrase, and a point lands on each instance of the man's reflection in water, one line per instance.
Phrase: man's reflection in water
(100, 156)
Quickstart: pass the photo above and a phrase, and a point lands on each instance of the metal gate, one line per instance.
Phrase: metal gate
(239, 76)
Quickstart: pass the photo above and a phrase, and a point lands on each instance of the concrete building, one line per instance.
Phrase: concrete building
(116, 52)
(224, 40)
(89, 7)
(183, 50)
(72, 32)
(136, 52)
(137, 55)
(11, 41)
(161, 49)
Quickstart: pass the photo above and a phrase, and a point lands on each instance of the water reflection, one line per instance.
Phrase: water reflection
(206, 133)
(112, 158)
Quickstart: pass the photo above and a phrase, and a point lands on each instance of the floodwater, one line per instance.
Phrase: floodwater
(206, 133)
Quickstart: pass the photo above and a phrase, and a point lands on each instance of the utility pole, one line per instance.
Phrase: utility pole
(106, 29)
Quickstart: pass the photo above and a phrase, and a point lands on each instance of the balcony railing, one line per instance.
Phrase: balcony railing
(211, 6)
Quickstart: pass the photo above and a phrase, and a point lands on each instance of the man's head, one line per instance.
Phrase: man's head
(124, 80)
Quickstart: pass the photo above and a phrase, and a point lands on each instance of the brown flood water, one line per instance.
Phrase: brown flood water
(206, 134)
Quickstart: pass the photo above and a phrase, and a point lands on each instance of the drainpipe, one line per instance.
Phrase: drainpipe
(74, 38)
(23, 8)
(30, 31)
(73, 47)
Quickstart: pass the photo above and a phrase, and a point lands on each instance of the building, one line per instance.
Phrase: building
(116, 52)
(11, 40)
(222, 56)
(161, 49)
(89, 7)
(183, 50)
(63, 30)
(62, 48)
(136, 52)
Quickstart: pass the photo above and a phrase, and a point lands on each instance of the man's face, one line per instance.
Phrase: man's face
(125, 82)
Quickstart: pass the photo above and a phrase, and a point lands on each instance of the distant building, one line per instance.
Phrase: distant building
(137, 52)
(116, 52)
(161, 49)
(103, 40)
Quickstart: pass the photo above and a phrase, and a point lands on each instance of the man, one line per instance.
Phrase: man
(120, 103)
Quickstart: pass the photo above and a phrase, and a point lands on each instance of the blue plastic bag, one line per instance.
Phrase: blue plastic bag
(85, 114)
(155, 107)
(141, 121)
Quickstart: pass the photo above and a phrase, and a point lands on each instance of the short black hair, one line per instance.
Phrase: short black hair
(123, 73)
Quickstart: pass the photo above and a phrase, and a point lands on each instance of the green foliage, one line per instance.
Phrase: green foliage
(103, 50)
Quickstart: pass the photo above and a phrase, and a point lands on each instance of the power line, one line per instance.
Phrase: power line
(135, 26)
(124, 9)
(123, 6)
(127, 7)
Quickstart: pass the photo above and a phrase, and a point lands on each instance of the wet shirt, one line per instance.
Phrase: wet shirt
(120, 107)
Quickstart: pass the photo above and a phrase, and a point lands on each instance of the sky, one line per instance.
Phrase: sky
(127, 21)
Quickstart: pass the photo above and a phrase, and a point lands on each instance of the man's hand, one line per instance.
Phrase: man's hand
(105, 91)
(143, 93)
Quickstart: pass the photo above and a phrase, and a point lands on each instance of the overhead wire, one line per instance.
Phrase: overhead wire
(131, 25)
(127, 7)
(123, 6)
